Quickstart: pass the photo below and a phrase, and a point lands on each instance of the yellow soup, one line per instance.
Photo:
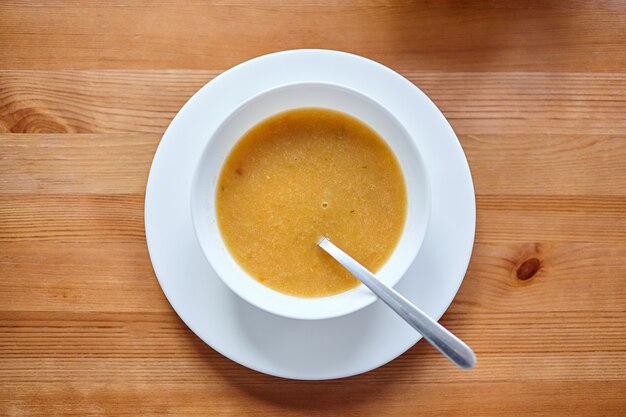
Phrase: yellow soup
(300, 175)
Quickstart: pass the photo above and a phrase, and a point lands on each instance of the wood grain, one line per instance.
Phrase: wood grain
(94, 218)
(268, 398)
(124, 101)
(509, 164)
(116, 276)
(450, 35)
(536, 92)
(76, 163)
(98, 347)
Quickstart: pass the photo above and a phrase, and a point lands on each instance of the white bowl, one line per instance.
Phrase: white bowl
(270, 102)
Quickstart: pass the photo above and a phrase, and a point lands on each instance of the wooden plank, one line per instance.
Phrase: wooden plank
(66, 217)
(528, 103)
(93, 347)
(540, 164)
(509, 164)
(111, 276)
(556, 218)
(451, 36)
(99, 218)
(145, 101)
(76, 163)
(86, 276)
(94, 101)
(350, 397)
(572, 277)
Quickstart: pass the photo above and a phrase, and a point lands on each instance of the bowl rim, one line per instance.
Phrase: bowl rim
(354, 306)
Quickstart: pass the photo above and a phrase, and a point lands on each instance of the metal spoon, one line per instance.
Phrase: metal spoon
(451, 346)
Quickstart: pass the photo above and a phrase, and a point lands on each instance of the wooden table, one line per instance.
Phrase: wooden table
(536, 91)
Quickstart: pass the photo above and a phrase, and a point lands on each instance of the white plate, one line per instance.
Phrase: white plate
(322, 349)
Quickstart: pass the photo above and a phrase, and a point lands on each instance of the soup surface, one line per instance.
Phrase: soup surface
(300, 175)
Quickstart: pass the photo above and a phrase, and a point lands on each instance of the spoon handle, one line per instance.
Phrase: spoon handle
(448, 344)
